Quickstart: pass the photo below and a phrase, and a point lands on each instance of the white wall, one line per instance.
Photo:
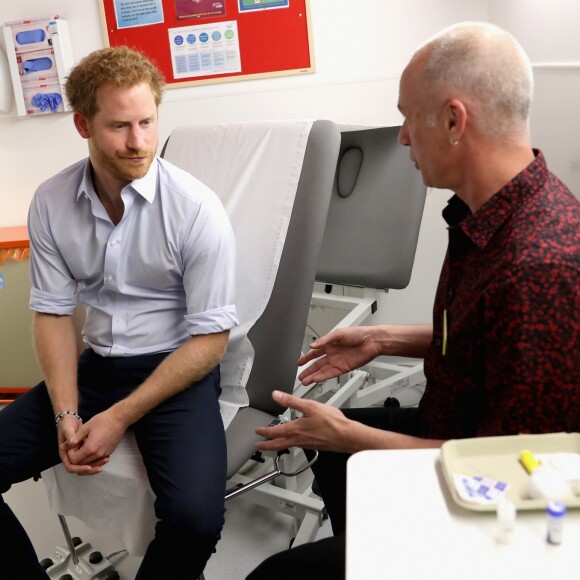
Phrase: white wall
(360, 50)
(548, 32)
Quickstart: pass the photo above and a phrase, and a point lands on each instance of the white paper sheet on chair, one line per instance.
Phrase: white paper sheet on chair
(254, 168)
(118, 501)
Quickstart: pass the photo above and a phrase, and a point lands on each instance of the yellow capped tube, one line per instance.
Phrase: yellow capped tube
(528, 460)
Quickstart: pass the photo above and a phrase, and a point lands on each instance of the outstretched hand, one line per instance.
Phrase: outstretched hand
(338, 352)
(320, 427)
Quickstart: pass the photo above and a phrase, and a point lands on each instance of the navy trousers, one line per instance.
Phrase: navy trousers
(184, 450)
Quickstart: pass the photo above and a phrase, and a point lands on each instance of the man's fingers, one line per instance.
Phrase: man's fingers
(82, 469)
(88, 470)
(275, 431)
(287, 400)
(307, 357)
(311, 375)
(317, 347)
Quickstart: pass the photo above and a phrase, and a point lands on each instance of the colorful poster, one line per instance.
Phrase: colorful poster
(131, 13)
(247, 5)
(205, 49)
(186, 9)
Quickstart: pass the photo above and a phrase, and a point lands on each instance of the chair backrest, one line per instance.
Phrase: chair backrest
(277, 336)
(375, 212)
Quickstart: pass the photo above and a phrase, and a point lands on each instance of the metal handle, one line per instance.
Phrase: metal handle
(298, 471)
(238, 490)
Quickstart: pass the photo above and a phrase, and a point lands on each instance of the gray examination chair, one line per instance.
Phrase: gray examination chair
(276, 337)
(369, 243)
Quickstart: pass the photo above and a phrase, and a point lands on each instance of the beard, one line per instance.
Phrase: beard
(121, 164)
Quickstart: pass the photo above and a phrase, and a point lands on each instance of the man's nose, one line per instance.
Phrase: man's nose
(404, 135)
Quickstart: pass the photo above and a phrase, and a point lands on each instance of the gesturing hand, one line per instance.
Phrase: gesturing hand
(338, 352)
(320, 427)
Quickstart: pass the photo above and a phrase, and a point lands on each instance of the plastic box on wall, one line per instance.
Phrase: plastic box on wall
(39, 97)
(5, 84)
(39, 56)
(38, 65)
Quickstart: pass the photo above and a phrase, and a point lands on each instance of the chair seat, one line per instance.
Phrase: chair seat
(241, 436)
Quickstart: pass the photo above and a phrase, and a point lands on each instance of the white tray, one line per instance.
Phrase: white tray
(499, 458)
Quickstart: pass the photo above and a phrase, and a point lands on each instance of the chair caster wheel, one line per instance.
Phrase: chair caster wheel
(76, 541)
(66, 577)
(95, 557)
(46, 563)
(112, 575)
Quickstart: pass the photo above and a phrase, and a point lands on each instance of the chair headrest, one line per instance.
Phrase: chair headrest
(375, 212)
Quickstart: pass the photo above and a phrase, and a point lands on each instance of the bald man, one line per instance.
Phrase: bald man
(501, 354)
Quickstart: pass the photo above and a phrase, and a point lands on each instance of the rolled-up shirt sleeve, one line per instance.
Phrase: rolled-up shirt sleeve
(53, 289)
(209, 260)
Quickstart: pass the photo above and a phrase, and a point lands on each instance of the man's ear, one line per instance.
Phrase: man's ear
(82, 125)
(456, 120)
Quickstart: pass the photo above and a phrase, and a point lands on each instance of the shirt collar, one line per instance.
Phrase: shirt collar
(481, 226)
(146, 186)
(86, 185)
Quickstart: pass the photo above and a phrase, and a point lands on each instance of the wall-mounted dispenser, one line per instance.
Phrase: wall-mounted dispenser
(5, 84)
(39, 56)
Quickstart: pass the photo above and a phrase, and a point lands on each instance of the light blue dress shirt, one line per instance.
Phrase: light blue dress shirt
(165, 272)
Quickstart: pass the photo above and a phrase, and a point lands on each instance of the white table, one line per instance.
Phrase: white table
(402, 523)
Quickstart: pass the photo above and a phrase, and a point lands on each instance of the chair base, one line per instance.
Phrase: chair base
(91, 564)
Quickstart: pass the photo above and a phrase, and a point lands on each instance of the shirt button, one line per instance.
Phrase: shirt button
(450, 292)
(109, 279)
(437, 342)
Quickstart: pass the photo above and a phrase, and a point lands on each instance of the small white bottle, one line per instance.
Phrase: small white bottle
(555, 511)
(506, 521)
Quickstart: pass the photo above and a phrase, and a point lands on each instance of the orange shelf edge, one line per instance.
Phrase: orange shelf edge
(14, 237)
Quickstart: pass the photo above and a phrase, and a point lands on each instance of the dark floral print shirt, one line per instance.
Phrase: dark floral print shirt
(505, 352)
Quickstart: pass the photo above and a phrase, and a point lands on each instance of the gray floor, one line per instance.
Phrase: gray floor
(251, 533)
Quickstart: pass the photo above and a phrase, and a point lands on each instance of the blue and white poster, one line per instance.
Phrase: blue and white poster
(205, 49)
(131, 13)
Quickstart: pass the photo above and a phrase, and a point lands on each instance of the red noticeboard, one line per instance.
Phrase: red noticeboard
(211, 41)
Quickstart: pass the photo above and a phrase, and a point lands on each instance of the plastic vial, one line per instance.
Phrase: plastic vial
(555, 511)
(506, 521)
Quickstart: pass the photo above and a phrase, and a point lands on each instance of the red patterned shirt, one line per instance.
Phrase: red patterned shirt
(505, 352)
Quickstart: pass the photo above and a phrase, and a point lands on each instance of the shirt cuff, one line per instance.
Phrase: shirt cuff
(51, 303)
(212, 321)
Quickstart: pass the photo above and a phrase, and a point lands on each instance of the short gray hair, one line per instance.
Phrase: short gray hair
(486, 65)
